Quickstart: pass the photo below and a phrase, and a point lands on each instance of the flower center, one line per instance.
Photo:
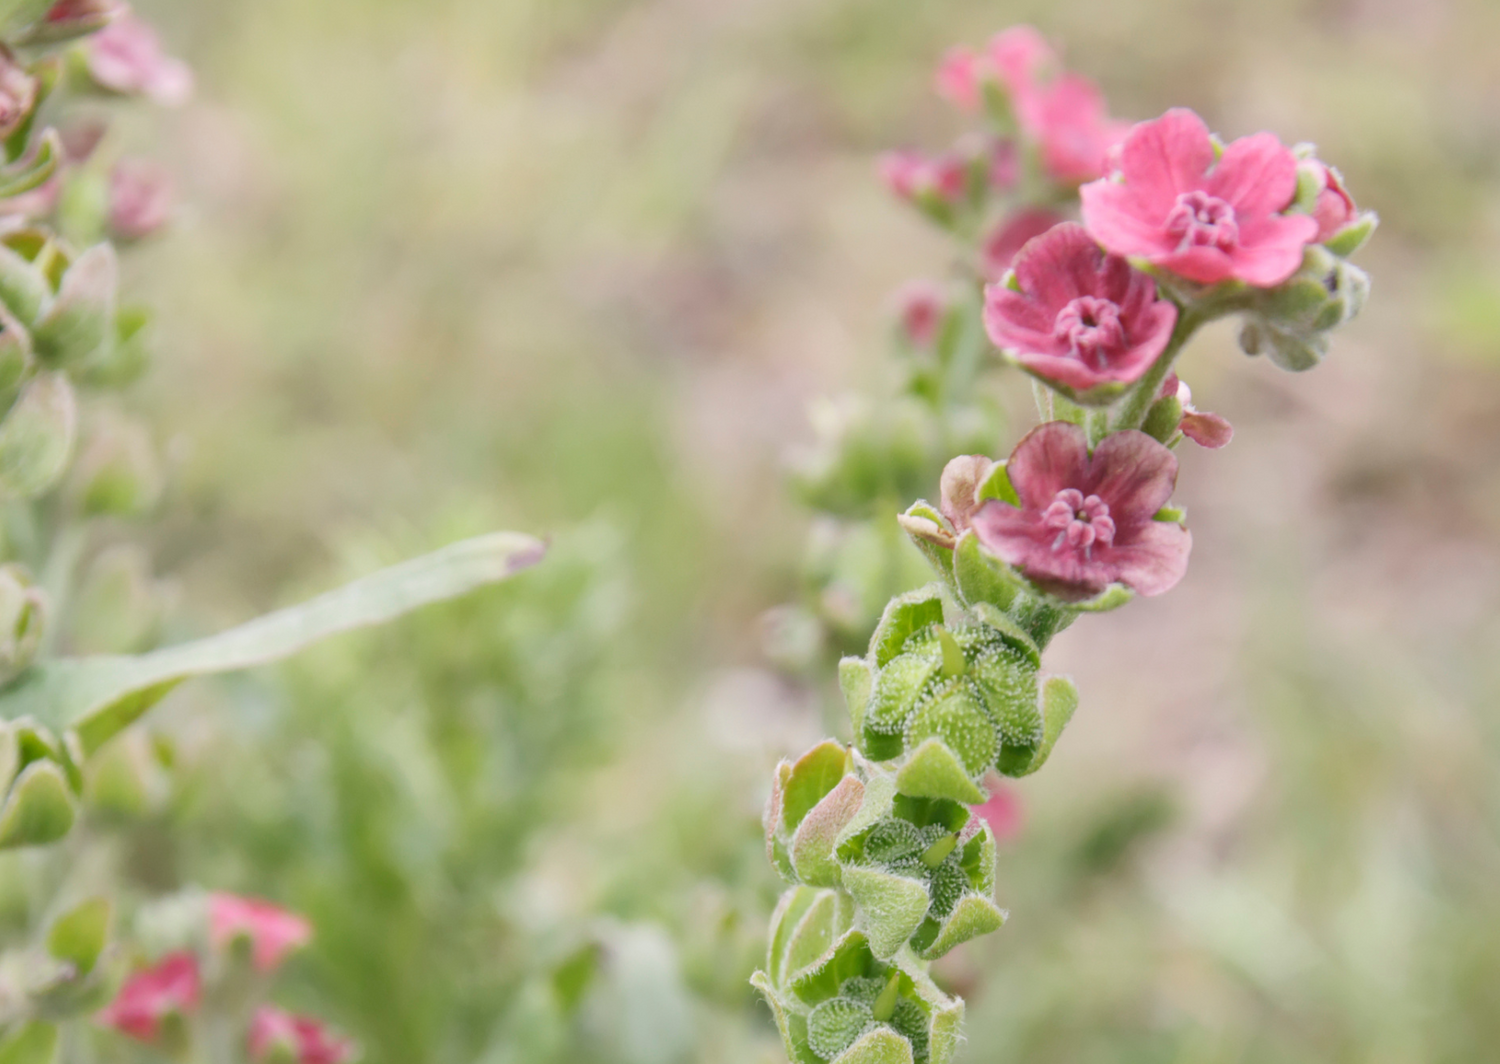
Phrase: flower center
(1199, 220)
(1091, 328)
(1080, 521)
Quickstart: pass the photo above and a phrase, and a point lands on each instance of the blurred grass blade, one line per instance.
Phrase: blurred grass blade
(98, 696)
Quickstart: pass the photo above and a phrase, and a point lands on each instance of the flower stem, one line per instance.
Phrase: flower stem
(1131, 414)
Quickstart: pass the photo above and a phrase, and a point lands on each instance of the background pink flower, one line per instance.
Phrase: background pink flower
(1081, 318)
(305, 1038)
(1003, 811)
(1069, 119)
(1087, 521)
(921, 306)
(126, 57)
(171, 987)
(914, 176)
(140, 198)
(272, 932)
(1174, 204)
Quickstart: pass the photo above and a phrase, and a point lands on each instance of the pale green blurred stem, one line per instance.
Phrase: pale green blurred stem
(1131, 413)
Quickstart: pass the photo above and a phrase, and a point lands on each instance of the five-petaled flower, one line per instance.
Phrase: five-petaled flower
(271, 932)
(1088, 521)
(172, 987)
(126, 57)
(299, 1038)
(1181, 205)
(1078, 317)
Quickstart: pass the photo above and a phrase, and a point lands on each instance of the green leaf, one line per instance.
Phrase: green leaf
(1111, 598)
(78, 936)
(813, 845)
(973, 916)
(36, 437)
(789, 912)
(998, 486)
(82, 317)
(815, 774)
(813, 936)
(1059, 703)
(855, 681)
(35, 1043)
(849, 957)
(982, 577)
(1009, 630)
(892, 906)
(929, 531)
(38, 165)
(904, 616)
(880, 1046)
(880, 791)
(99, 696)
(39, 809)
(1352, 237)
(934, 771)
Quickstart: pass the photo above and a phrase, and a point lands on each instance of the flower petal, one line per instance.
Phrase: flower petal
(1155, 560)
(1134, 475)
(1048, 459)
(1256, 175)
(1166, 156)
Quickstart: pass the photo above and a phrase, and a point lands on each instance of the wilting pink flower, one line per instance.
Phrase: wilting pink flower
(140, 199)
(171, 988)
(1208, 219)
(271, 931)
(126, 57)
(1334, 208)
(305, 1039)
(1010, 236)
(1087, 521)
(914, 176)
(962, 478)
(1202, 427)
(921, 306)
(1081, 318)
(1003, 811)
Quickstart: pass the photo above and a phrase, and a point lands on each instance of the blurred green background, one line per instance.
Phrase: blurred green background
(576, 267)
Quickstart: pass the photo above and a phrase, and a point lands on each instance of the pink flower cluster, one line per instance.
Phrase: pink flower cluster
(126, 56)
(172, 988)
(1064, 113)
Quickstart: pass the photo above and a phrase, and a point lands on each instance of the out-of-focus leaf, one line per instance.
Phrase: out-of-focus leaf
(99, 696)
(35, 1043)
(78, 936)
(39, 808)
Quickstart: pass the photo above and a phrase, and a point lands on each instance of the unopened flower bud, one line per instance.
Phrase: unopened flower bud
(140, 199)
(17, 93)
(278, 1037)
(36, 437)
(23, 618)
(921, 308)
(68, 19)
(117, 472)
(81, 318)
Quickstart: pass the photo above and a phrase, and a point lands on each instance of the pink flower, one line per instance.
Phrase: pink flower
(1003, 812)
(921, 308)
(1070, 120)
(171, 988)
(913, 176)
(1006, 240)
(960, 78)
(1081, 318)
(1020, 57)
(1087, 522)
(306, 1040)
(140, 199)
(1334, 208)
(271, 931)
(126, 57)
(1177, 204)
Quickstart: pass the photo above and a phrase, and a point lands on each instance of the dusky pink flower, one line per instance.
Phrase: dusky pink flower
(1069, 119)
(1006, 240)
(921, 306)
(1209, 218)
(1081, 318)
(305, 1039)
(1003, 810)
(272, 932)
(140, 198)
(1334, 208)
(1087, 521)
(1203, 427)
(172, 987)
(126, 57)
(914, 176)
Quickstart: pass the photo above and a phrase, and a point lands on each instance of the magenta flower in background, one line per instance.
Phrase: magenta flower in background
(170, 988)
(304, 1039)
(1176, 204)
(914, 176)
(271, 931)
(140, 198)
(1003, 811)
(1087, 521)
(1081, 318)
(126, 57)
(1000, 248)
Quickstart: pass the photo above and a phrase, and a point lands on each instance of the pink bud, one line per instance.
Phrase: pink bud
(1334, 208)
(1003, 812)
(271, 931)
(914, 176)
(304, 1038)
(126, 57)
(1206, 430)
(140, 199)
(171, 988)
(960, 77)
(921, 308)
